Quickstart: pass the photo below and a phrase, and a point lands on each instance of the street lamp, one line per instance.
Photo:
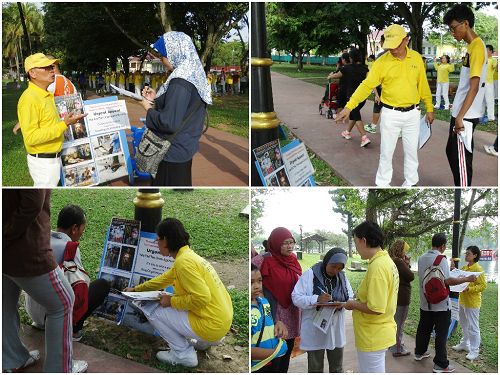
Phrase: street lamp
(300, 226)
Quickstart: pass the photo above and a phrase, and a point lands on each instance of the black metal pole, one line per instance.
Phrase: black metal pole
(455, 254)
(148, 206)
(264, 120)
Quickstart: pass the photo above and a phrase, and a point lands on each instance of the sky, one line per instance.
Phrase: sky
(291, 207)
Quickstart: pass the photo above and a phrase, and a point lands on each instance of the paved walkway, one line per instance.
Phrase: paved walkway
(98, 360)
(393, 365)
(296, 103)
(221, 161)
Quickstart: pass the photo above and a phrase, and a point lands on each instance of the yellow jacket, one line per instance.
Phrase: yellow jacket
(471, 298)
(41, 126)
(198, 290)
(443, 71)
(404, 82)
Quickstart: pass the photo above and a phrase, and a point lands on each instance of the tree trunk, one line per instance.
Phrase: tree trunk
(25, 29)
(166, 20)
(371, 207)
(300, 64)
(466, 220)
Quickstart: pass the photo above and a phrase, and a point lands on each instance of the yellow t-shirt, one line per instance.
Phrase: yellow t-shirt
(472, 297)
(107, 78)
(198, 290)
(404, 82)
(41, 126)
(130, 78)
(121, 78)
(137, 79)
(490, 69)
(443, 71)
(379, 290)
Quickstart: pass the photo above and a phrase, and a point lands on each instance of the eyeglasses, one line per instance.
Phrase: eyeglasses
(47, 68)
(288, 243)
(453, 28)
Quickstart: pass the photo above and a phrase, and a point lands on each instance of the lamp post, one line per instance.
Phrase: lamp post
(148, 206)
(264, 122)
(300, 226)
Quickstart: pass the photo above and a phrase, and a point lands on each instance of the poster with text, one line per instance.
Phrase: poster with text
(95, 151)
(130, 257)
(297, 163)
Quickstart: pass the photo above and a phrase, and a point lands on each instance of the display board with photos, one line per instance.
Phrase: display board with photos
(95, 150)
(287, 166)
(130, 257)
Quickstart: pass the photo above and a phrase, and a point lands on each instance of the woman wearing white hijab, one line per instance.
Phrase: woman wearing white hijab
(179, 105)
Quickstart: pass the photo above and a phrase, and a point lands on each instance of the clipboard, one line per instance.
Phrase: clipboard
(425, 133)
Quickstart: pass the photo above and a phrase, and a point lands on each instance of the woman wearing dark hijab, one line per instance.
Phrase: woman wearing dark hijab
(280, 271)
(179, 105)
(324, 282)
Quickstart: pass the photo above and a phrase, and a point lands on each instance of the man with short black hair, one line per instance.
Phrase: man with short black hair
(40, 123)
(435, 316)
(468, 102)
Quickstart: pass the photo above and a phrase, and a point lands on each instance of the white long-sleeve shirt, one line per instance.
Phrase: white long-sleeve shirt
(311, 337)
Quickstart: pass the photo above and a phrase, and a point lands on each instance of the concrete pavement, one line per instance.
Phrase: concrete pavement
(393, 365)
(296, 103)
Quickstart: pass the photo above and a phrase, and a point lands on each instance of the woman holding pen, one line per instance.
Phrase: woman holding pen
(280, 272)
(323, 283)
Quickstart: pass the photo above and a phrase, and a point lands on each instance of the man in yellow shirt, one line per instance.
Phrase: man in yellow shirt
(377, 296)
(469, 305)
(41, 125)
(468, 102)
(201, 307)
(489, 95)
(404, 84)
(138, 80)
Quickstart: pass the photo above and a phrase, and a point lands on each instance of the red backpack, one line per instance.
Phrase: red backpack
(78, 279)
(434, 285)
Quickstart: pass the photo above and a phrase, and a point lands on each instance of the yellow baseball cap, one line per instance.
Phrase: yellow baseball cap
(394, 35)
(38, 60)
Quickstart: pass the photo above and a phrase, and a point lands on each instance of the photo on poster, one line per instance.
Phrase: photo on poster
(116, 232)
(283, 178)
(117, 282)
(126, 258)
(71, 103)
(139, 279)
(268, 157)
(80, 175)
(112, 256)
(112, 308)
(111, 168)
(135, 318)
(132, 235)
(106, 144)
(79, 130)
(76, 154)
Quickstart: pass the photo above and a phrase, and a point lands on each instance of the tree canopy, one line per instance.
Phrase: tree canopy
(103, 32)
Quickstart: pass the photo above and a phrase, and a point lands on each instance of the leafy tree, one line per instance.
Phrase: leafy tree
(413, 214)
(227, 53)
(14, 33)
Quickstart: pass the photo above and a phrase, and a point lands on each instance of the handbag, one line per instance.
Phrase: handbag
(152, 148)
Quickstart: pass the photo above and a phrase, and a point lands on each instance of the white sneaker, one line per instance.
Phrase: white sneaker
(461, 347)
(490, 150)
(79, 366)
(472, 356)
(169, 356)
(437, 106)
(200, 345)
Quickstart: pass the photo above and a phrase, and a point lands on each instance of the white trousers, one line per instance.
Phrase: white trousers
(495, 85)
(392, 123)
(173, 326)
(44, 172)
(489, 98)
(138, 89)
(469, 321)
(442, 89)
(371, 361)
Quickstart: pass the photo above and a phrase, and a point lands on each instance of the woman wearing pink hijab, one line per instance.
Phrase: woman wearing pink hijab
(280, 272)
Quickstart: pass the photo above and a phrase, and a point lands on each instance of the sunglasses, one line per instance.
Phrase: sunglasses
(47, 68)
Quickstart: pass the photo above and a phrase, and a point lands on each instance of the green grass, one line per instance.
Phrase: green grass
(240, 317)
(311, 73)
(14, 165)
(210, 216)
(230, 113)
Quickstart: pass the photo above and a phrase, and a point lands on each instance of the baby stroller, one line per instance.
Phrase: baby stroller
(329, 100)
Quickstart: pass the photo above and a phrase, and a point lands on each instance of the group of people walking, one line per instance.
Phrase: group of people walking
(288, 303)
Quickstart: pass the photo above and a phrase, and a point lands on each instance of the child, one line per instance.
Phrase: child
(470, 304)
(267, 344)
(324, 282)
